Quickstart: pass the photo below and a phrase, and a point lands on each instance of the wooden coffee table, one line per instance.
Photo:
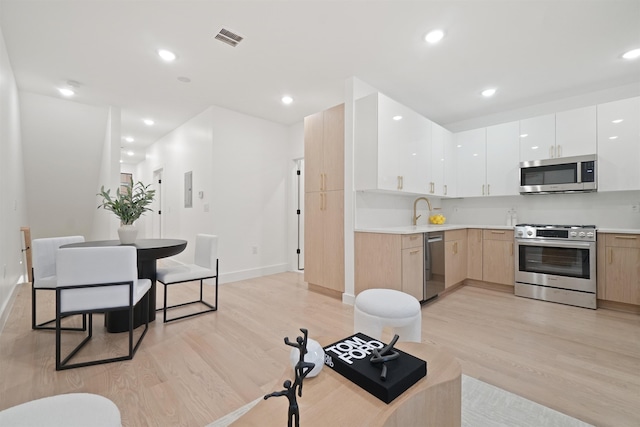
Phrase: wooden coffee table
(329, 399)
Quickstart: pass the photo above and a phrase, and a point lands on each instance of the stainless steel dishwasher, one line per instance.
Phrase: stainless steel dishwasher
(433, 264)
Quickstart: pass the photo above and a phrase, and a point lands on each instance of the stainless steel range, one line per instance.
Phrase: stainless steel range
(556, 263)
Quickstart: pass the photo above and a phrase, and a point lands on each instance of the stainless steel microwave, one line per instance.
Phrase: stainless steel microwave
(561, 175)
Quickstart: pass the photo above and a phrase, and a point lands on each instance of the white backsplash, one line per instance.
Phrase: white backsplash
(603, 209)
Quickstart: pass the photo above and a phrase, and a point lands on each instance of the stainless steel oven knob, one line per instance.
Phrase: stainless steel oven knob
(582, 234)
(529, 233)
(574, 234)
(520, 233)
(590, 234)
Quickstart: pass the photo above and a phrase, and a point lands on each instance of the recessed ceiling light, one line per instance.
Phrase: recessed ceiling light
(66, 92)
(130, 153)
(148, 122)
(487, 93)
(129, 139)
(167, 55)
(524, 135)
(613, 137)
(396, 118)
(434, 36)
(287, 99)
(459, 146)
(475, 154)
(535, 147)
(632, 54)
(616, 121)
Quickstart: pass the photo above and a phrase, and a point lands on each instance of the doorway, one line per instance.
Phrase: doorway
(157, 205)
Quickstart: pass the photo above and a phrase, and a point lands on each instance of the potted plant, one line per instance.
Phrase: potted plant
(128, 206)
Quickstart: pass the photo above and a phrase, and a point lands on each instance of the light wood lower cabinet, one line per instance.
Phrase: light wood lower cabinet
(455, 258)
(391, 261)
(324, 239)
(619, 268)
(498, 260)
(474, 253)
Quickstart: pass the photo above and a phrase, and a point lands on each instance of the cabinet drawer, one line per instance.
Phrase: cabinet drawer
(623, 240)
(412, 240)
(497, 234)
(451, 235)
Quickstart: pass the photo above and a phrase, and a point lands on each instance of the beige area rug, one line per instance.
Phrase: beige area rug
(483, 405)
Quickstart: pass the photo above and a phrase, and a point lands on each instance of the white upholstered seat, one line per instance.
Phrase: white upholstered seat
(98, 279)
(64, 410)
(375, 309)
(205, 266)
(43, 253)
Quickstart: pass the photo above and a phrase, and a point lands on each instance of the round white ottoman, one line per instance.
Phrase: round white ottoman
(68, 410)
(377, 308)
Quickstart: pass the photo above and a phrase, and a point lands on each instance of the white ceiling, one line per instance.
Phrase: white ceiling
(532, 51)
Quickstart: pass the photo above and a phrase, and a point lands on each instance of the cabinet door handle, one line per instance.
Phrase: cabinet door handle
(559, 150)
(455, 248)
(609, 255)
(488, 189)
(497, 232)
(399, 182)
(625, 237)
(414, 252)
(483, 189)
(551, 152)
(445, 189)
(512, 249)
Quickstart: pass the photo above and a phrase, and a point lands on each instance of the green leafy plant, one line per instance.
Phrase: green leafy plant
(128, 205)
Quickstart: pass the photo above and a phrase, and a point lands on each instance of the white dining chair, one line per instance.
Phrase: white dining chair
(205, 266)
(98, 279)
(44, 275)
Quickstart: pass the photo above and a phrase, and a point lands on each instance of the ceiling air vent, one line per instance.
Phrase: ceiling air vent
(228, 37)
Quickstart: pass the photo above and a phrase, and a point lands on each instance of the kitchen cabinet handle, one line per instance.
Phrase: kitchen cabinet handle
(414, 252)
(559, 150)
(497, 232)
(551, 152)
(488, 189)
(483, 189)
(455, 248)
(445, 189)
(609, 255)
(324, 182)
(626, 237)
(399, 182)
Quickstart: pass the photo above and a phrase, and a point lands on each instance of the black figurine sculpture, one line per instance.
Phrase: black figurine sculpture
(302, 369)
(385, 354)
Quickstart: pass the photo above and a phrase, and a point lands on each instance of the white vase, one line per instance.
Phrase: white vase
(315, 354)
(128, 234)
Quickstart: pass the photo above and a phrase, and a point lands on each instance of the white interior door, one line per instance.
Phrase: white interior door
(157, 205)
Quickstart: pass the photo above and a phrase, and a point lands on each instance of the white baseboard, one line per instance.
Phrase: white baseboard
(253, 273)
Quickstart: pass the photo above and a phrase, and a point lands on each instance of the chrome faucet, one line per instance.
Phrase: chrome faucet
(415, 204)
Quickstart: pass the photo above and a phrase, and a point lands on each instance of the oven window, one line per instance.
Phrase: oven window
(568, 262)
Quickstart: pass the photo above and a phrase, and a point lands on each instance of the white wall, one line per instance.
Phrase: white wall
(12, 187)
(63, 148)
(241, 164)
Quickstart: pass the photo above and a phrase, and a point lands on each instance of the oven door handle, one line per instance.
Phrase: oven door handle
(556, 243)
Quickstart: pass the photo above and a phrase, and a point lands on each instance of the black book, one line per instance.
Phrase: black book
(351, 357)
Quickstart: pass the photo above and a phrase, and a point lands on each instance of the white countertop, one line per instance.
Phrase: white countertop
(410, 229)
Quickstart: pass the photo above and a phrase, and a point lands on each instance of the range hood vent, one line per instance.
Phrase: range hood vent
(228, 37)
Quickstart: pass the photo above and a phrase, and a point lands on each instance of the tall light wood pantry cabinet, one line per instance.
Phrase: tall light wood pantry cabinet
(324, 199)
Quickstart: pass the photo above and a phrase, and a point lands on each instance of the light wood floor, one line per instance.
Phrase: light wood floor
(581, 362)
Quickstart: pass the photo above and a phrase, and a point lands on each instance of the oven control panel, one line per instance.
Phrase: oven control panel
(561, 232)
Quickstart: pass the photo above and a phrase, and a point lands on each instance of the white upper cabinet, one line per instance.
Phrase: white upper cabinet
(471, 162)
(392, 146)
(487, 161)
(442, 179)
(619, 145)
(564, 134)
(537, 138)
(576, 132)
(502, 159)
